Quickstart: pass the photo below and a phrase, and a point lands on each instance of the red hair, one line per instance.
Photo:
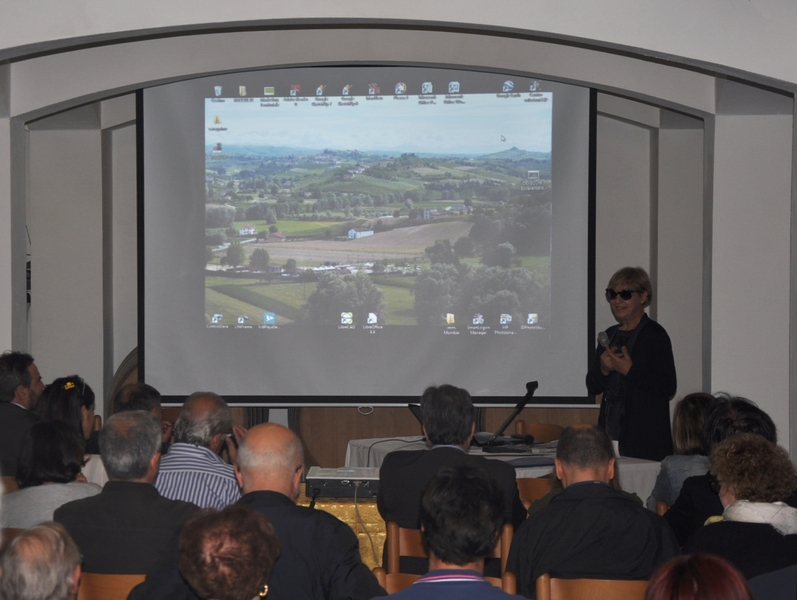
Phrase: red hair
(698, 577)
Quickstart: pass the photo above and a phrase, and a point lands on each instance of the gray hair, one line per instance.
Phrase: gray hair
(39, 564)
(196, 425)
(128, 441)
(272, 460)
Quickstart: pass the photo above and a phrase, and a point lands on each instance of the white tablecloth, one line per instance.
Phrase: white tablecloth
(636, 475)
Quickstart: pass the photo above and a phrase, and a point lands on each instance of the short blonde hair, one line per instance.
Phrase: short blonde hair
(636, 278)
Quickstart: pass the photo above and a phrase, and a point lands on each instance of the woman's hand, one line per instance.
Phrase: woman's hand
(619, 360)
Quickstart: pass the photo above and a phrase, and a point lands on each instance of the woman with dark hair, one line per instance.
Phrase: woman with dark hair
(71, 399)
(698, 577)
(634, 369)
(690, 456)
(758, 530)
(48, 475)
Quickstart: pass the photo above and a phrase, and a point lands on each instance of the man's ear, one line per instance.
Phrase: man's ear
(238, 476)
(155, 463)
(610, 469)
(559, 470)
(75, 582)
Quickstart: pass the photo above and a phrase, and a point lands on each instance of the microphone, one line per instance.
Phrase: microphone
(603, 339)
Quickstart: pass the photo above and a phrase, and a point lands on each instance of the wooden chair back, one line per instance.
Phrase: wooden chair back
(532, 489)
(407, 542)
(551, 588)
(395, 582)
(9, 484)
(100, 586)
(542, 432)
(661, 508)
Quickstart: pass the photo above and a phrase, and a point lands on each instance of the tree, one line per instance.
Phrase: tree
(208, 254)
(290, 265)
(442, 252)
(336, 294)
(259, 260)
(464, 246)
(436, 293)
(271, 216)
(235, 254)
(273, 229)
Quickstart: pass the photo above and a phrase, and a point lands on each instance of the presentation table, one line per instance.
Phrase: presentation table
(636, 475)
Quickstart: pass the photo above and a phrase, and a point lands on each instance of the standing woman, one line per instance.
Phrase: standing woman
(635, 372)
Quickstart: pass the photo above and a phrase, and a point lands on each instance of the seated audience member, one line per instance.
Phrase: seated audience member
(320, 555)
(757, 531)
(48, 475)
(697, 502)
(41, 563)
(698, 577)
(590, 530)
(71, 400)
(228, 555)
(125, 527)
(140, 396)
(448, 424)
(192, 470)
(690, 456)
(20, 389)
(461, 519)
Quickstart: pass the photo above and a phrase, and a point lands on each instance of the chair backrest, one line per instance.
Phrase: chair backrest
(542, 432)
(395, 582)
(407, 542)
(100, 586)
(661, 508)
(532, 489)
(9, 484)
(552, 588)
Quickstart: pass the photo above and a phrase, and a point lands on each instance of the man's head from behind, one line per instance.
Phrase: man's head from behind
(584, 453)
(130, 445)
(461, 515)
(41, 563)
(20, 381)
(228, 555)
(270, 458)
(448, 415)
(204, 420)
(732, 415)
(137, 396)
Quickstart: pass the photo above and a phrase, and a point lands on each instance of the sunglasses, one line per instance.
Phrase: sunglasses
(624, 294)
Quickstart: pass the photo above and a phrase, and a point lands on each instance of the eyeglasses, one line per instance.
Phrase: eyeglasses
(714, 484)
(624, 294)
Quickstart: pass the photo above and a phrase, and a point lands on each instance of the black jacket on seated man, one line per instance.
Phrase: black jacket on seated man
(125, 527)
(590, 530)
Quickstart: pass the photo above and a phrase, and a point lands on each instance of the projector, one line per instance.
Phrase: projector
(346, 482)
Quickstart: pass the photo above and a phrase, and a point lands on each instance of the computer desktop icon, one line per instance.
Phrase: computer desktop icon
(269, 318)
(346, 318)
(531, 319)
(505, 319)
(453, 87)
(372, 319)
(426, 87)
(216, 318)
(508, 86)
(478, 319)
(450, 320)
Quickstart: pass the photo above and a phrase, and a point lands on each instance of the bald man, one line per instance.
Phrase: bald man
(590, 530)
(192, 471)
(320, 558)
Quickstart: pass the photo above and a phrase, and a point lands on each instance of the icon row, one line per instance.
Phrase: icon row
(504, 319)
(269, 318)
(374, 89)
(347, 318)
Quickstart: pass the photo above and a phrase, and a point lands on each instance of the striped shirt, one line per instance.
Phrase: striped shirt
(195, 474)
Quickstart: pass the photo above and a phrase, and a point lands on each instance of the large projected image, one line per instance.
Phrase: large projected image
(365, 209)
(350, 235)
